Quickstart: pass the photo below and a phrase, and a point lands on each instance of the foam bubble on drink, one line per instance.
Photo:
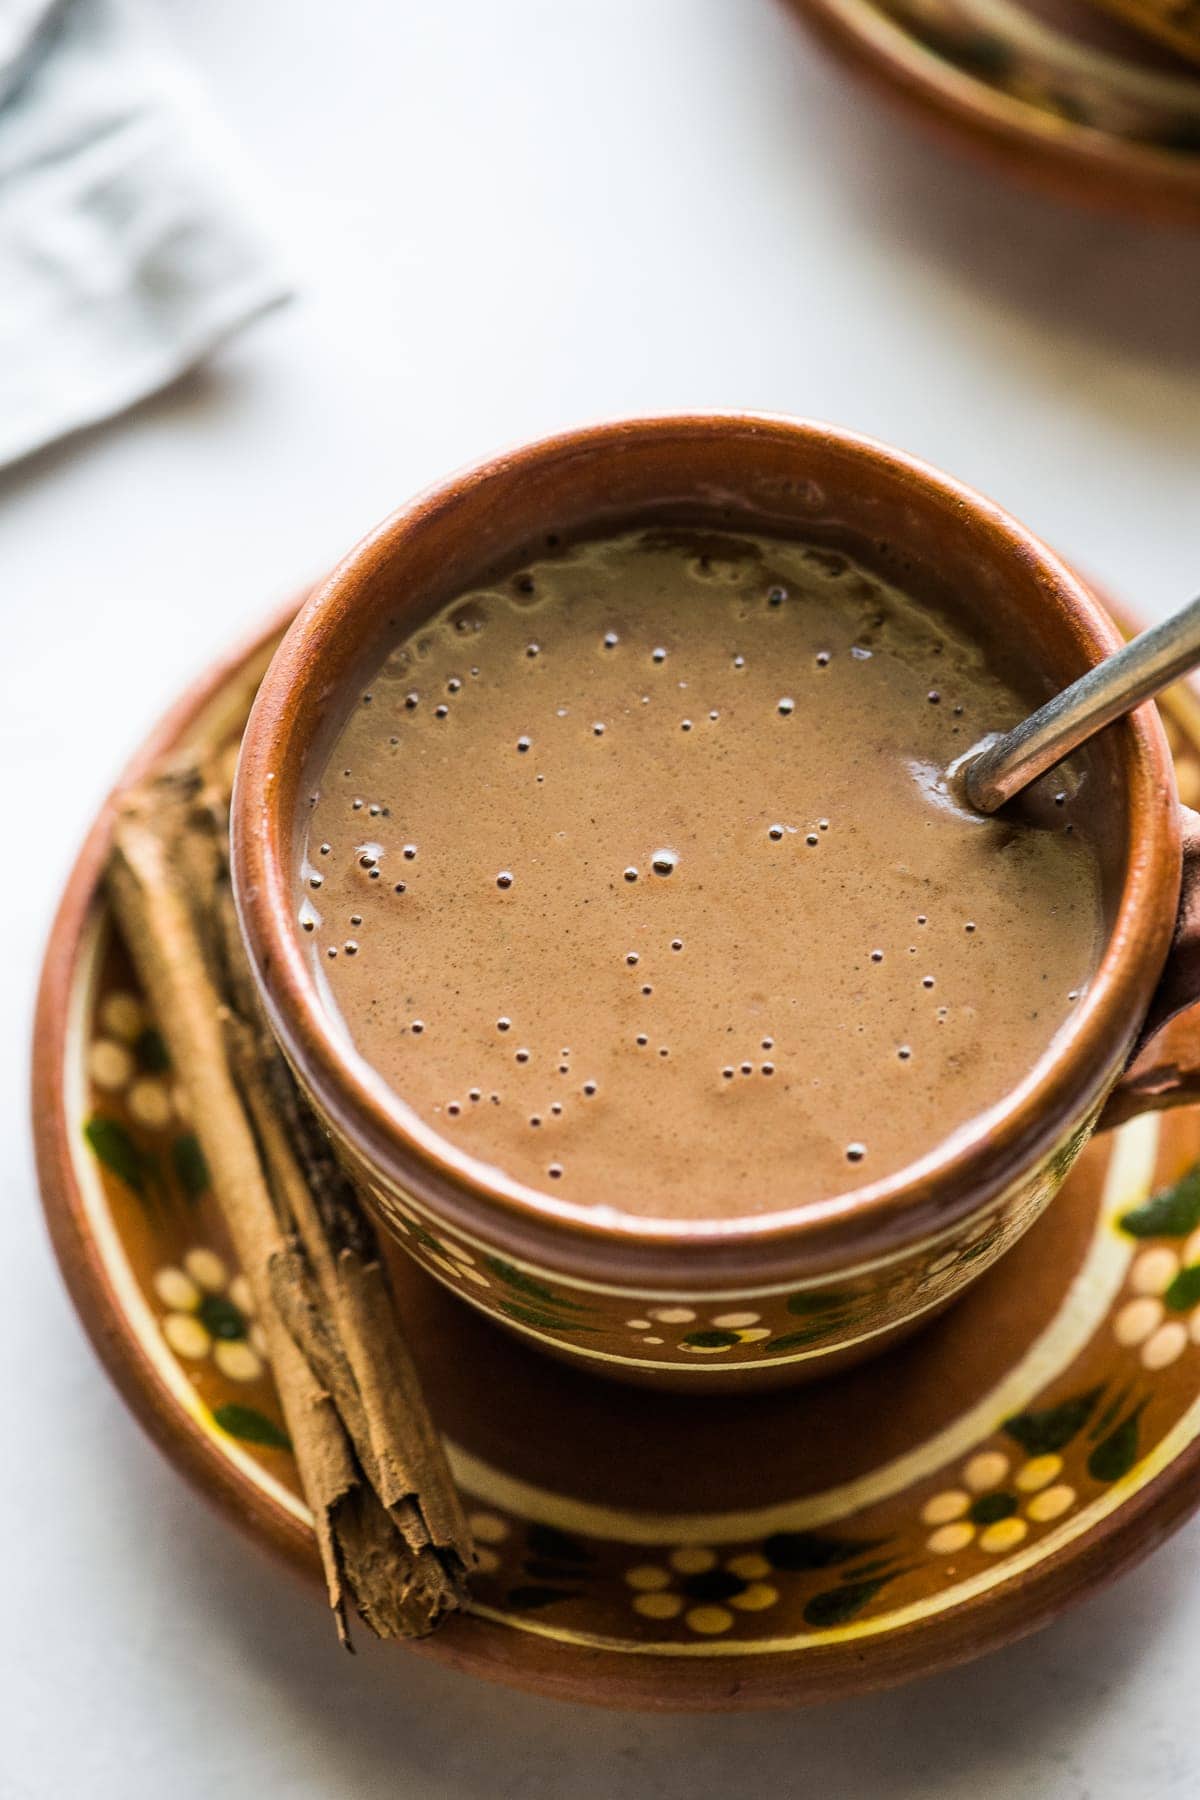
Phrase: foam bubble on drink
(578, 916)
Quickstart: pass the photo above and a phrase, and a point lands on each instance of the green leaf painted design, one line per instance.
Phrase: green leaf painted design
(221, 1317)
(1173, 1212)
(1184, 1291)
(191, 1170)
(874, 1567)
(819, 1300)
(792, 1551)
(1052, 1428)
(524, 1283)
(253, 1427)
(426, 1238)
(712, 1340)
(151, 1051)
(838, 1605)
(528, 1599)
(543, 1321)
(712, 1584)
(113, 1147)
(981, 1247)
(1116, 1454)
(557, 1546)
(1101, 1424)
(1062, 1160)
(989, 1508)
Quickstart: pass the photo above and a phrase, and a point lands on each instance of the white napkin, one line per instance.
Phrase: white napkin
(128, 249)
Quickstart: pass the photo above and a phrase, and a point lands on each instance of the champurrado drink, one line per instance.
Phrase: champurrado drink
(633, 875)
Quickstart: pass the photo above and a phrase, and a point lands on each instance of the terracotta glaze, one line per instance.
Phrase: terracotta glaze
(836, 1278)
(638, 1550)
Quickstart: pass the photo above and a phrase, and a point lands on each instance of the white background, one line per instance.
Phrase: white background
(502, 218)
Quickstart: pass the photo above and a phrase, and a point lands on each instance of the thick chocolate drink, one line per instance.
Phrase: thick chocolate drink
(634, 876)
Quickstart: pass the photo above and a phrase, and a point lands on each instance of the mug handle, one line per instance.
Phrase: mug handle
(1164, 1069)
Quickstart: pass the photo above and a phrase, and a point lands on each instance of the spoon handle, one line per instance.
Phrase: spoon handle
(1144, 666)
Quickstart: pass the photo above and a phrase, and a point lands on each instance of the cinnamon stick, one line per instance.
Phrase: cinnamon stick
(332, 1291)
(388, 1521)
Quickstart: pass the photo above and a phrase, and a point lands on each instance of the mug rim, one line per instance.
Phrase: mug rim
(956, 1177)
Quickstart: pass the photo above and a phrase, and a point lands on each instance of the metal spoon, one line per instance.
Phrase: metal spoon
(1144, 666)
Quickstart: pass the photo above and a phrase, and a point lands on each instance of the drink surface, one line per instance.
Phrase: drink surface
(632, 876)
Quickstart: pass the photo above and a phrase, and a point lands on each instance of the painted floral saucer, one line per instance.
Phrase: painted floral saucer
(1053, 92)
(654, 1550)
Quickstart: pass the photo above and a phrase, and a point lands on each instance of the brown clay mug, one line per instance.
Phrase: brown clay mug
(768, 1298)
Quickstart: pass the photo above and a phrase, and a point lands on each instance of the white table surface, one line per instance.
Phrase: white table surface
(503, 218)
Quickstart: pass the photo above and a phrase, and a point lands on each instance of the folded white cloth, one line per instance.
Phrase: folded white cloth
(128, 248)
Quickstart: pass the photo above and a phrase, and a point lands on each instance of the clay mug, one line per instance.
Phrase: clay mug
(775, 1297)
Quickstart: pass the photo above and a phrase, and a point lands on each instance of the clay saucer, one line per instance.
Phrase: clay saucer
(1050, 91)
(653, 1550)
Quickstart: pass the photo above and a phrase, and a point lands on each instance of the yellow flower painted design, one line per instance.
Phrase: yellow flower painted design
(441, 1251)
(694, 1585)
(128, 1059)
(993, 1504)
(211, 1315)
(1162, 1315)
(489, 1530)
(460, 1262)
(724, 1331)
